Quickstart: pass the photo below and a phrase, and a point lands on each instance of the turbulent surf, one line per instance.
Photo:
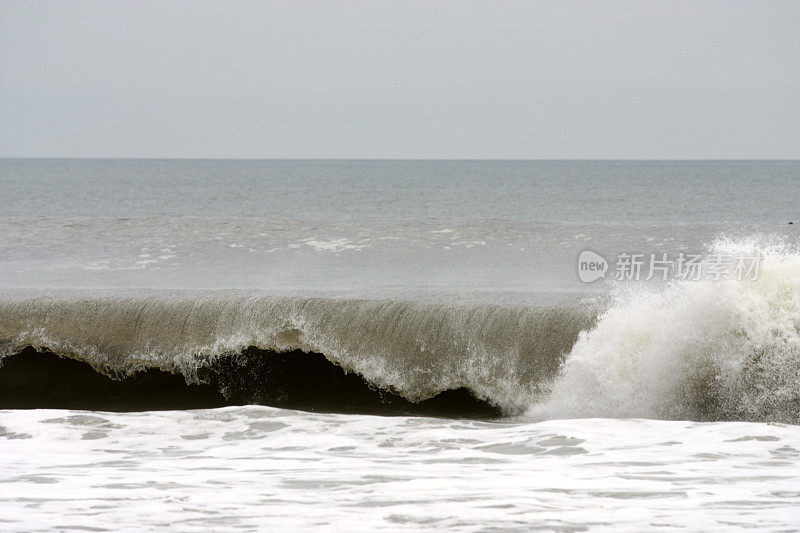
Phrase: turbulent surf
(695, 349)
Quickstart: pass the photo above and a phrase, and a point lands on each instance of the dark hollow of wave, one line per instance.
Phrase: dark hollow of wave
(32, 379)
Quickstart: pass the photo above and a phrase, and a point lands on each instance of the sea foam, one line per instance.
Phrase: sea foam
(693, 349)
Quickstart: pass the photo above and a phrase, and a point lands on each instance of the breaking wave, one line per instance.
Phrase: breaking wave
(700, 350)
(408, 349)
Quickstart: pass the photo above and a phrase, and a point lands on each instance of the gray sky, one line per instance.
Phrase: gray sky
(401, 79)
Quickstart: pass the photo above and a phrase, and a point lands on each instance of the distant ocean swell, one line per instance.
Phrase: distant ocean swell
(696, 350)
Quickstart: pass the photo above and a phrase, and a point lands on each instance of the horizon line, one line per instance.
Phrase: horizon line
(476, 159)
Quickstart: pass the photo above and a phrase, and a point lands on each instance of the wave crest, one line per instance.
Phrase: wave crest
(413, 349)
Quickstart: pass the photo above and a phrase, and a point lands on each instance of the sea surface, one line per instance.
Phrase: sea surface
(459, 345)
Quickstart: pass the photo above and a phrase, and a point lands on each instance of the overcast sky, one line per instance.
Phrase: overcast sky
(401, 79)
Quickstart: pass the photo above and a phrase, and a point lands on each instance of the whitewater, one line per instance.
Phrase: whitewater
(701, 350)
(356, 359)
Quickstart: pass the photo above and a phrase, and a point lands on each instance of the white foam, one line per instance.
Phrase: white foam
(695, 349)
(263, 468)
(334, 245)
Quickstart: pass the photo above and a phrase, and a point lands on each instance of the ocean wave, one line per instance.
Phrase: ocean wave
(412, 349)
(700, 350)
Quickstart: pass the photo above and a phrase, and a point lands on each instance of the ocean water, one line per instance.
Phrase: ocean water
(399, 344)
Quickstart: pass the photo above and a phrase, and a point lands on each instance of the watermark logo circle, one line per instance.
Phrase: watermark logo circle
(591, 266)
